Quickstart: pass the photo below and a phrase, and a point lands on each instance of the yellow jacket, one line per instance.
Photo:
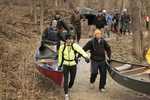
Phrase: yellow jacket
(148, 56)
(66, 54)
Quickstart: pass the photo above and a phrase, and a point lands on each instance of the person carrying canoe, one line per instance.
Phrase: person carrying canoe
(67, 60)
(55, 32)
(100, 21)
(98, 47)
(125, 21)
(75, 20)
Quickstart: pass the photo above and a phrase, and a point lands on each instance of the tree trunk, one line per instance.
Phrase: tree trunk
(41, 15)
(31, 7)
(137, 29)
(101, 4)
(66, 4)
(56, 3)
(82, 3)
(35, 11)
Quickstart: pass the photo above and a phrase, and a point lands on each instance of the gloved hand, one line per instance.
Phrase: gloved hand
(59, 68)
(42, 47)
(87, 60)
(109, 61)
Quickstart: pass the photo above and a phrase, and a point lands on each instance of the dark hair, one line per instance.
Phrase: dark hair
(59, 25)
(68, 36)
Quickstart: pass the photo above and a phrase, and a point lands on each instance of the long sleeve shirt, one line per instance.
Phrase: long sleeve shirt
(97, 49)
(66, 54)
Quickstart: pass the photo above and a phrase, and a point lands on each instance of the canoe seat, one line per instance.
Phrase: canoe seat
(146, 72)
(134, 70)
(124, 67)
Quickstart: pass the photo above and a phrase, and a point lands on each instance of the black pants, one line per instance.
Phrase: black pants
(147, 25)
(78, 32)
(102, 67)
(116, 28)
(69, 70)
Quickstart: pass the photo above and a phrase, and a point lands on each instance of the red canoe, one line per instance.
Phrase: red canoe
(46, 65)
(56, 76)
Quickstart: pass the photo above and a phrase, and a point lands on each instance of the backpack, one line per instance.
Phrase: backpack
(75, 53)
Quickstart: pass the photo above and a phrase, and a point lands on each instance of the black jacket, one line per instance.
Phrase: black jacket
(100, 22)
(50, 34)
(98, 49)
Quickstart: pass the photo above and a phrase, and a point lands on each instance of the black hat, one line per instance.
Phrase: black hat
(68, 36)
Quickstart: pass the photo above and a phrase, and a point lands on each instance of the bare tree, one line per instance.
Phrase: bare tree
(31, 7)
(137, 28)
(41, 15)
(35, 11)
(56, 3)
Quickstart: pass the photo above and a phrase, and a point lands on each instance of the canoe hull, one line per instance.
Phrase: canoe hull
(56, 76)
(129, 82)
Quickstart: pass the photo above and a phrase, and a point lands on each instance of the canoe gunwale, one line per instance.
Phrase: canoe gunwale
(129, 82)
(46, 71)
(147, 66)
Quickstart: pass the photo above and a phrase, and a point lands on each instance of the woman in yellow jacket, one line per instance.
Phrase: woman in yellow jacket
(68, 60)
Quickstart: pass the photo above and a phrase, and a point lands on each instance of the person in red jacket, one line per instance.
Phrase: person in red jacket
(147, 20)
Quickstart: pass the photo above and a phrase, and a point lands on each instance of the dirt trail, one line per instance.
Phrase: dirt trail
(82, 91)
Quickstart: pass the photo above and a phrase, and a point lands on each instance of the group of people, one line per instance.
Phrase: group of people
(116, 21)
(70, 52)
(106, 21)
(111, 21)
